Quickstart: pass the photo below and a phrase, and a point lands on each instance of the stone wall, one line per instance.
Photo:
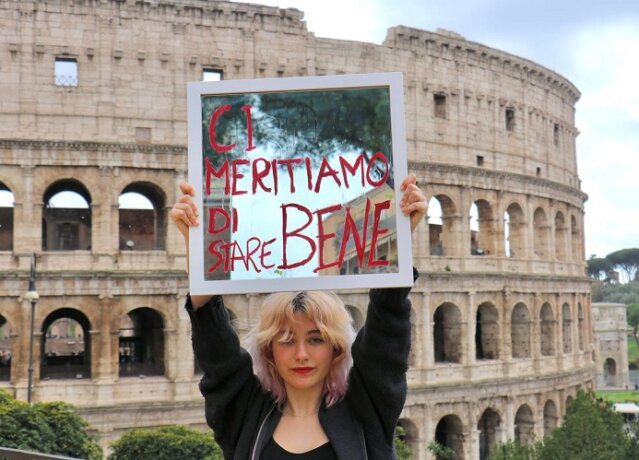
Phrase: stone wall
(501, 337)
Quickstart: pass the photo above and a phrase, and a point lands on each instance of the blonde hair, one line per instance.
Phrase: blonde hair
(332, 320)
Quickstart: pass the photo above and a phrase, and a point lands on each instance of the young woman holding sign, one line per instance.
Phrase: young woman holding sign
(307, 390)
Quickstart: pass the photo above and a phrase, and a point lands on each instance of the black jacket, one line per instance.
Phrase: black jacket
(361, 426)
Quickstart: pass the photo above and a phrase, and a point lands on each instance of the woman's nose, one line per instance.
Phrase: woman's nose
(300, 351)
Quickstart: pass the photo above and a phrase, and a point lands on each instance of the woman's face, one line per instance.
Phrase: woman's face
(303, 358)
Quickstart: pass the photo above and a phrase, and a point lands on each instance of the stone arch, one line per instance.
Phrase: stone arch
(141, 343)
(450, 433)
(520, 326)
(66, 216)
(580, 326)
(568, 402)
(356, 316)
(488, 426)
(560, 236)
(610, 372)
(441, 228)
(524, 424)
(514, 231)
(575, 239)
(547, 328)
(6, 351)
(65, 348)
(540, 233)
(566, 328)
(7, 200)
(447, 333)
(550, 417)
(410, 433)
(142, 217)
(487, 332)
(482, 231)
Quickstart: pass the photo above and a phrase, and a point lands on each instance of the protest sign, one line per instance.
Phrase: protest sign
(296, 184)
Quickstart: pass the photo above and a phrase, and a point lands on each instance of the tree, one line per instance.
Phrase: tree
(52, 428)
(598, 267)
(316, 124)
(403, 449)
(632, 316)
(627, 260)
(591, 430)
(166, 443)
(513, 450)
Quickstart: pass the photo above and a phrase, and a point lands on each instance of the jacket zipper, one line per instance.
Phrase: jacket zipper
(259, 432)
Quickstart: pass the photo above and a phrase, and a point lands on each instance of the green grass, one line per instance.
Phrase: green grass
(618, 396)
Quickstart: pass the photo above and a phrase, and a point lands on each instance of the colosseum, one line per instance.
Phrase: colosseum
(93, 110)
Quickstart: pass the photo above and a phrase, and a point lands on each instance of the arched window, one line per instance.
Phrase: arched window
(447, 334)
(487, 332)
(66, 345)
(409, 433)
(524, 425)
(6, 352)
(566, 327)
(141, 343)
(441, 226)
(482, 229)
(560, 236)
(450, 433)
(66, 217)
(547, 328)
(550, 417)
(514, 229)
(540, 233)
(610, 372)
(6, 218)
(520, 331)
(142, 218)
(488, 427)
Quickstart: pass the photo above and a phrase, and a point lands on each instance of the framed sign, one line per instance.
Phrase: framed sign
(297, 184)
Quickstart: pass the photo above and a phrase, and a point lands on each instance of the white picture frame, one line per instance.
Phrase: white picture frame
(277, 108)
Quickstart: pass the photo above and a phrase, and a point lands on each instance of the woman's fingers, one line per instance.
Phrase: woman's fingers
(184, 212)
(413, 202)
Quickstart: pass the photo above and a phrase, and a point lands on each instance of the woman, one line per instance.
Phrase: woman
(306, 393)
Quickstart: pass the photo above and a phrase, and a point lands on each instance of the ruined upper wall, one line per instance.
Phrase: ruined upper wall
(454, 47)
(135, 57)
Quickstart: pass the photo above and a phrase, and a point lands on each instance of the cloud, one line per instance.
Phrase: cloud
(608, 118)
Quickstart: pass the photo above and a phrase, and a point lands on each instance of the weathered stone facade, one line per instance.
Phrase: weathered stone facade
(502, 314)
(611, 330)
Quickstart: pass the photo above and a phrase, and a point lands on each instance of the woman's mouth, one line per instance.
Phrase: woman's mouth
(302, 370)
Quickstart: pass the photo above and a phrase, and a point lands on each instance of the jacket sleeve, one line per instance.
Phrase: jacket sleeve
(377, 385)
(229, 385)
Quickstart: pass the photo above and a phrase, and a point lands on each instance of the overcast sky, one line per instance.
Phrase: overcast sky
(593, 43)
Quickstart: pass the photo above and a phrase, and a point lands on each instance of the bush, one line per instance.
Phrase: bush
(50, 428)
(166, 443)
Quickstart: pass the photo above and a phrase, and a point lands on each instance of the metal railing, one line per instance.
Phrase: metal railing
(15, 454)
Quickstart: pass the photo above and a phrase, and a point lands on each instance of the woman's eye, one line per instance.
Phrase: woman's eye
(316, 340)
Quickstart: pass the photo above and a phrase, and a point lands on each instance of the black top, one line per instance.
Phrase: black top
(273, 451)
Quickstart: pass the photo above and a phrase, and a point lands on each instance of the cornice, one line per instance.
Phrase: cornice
(83, 146)
(495, 176)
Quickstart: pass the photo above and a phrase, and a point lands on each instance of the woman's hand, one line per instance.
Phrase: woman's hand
(413, 202)
(185, 215)
(184, 212)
